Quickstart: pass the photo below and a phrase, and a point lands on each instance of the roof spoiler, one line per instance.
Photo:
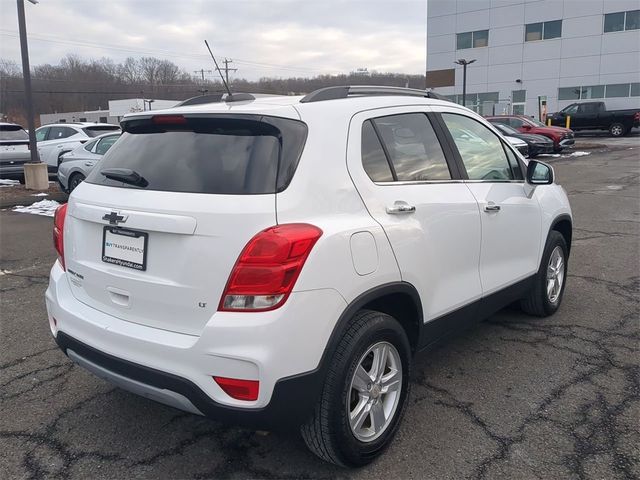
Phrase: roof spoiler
(216, 98)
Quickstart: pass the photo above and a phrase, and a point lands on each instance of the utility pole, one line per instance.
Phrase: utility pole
(26, 75)
(464, 64)
(202, 71)
(227, 69)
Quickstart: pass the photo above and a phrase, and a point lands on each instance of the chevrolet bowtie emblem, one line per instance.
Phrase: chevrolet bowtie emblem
(114, 218)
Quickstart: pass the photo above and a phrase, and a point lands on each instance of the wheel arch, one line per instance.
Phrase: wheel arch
(398, 299)
(563, 224)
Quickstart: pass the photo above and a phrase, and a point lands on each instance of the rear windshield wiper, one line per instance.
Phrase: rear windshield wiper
(125, 175)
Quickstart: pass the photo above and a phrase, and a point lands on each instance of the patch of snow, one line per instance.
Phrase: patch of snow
(5, 182)
(554, 155)
(41, 194)
(43, 207)
(579, 154)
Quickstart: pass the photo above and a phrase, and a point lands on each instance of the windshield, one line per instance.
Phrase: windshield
(535, 122)
(13, 132)
(99, 130)
(506, 129)
(205, 155)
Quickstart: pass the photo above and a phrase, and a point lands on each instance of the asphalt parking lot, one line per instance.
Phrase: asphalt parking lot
(513, 398)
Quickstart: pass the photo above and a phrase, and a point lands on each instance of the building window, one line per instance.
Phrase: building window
(617, 90)
(599, 91)
(543, 30)
(620, 21)
(476, 39)
(103, 119)
(83, 119)
(518, 96)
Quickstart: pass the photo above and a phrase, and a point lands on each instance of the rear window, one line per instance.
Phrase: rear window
(13, 132)
(232, 155)
(99, 130)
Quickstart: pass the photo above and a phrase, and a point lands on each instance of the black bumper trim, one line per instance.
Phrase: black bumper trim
(291, 403)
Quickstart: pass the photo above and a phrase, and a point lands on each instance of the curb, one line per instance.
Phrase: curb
(29, 200)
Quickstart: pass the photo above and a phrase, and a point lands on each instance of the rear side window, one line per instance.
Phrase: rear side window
(414, 151)
(99, 130)
(12, 132)
(105, 144)
(58, 133)
(215, 155)
(374, 160)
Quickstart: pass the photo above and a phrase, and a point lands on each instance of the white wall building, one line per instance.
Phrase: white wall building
(117, 109)
(566, 50)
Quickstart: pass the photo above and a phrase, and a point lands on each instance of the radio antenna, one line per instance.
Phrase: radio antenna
(218, 68)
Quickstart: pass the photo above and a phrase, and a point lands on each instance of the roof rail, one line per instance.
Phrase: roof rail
(215, 98)
(333, 93)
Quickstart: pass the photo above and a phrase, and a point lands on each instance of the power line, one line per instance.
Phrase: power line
(203, 71)
(168, 53)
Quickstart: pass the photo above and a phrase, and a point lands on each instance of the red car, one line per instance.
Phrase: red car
(562, 137)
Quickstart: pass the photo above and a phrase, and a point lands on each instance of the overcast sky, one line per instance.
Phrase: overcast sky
(278, 38)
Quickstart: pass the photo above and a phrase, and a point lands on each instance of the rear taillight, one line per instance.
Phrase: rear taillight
(637, 116)
(169, 119)
(268, 268)
(58, 232)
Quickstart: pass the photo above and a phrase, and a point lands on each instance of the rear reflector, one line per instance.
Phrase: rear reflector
(239, 389)
(268, 267)
(169, 120)
(58, 232)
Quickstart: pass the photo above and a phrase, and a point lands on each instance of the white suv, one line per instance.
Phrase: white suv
(56, 139)
(278, 262)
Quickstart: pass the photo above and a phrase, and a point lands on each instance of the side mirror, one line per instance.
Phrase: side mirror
(539, 173)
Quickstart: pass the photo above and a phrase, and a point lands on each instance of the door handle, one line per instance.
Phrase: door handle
(88, 164)
(400, 207)
(491, 207)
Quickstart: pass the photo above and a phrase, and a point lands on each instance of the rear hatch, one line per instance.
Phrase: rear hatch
(95, 130)
(156, 228)
(14, 144)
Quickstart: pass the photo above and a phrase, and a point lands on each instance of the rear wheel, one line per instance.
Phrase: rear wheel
(546, 295)
(75, 180)
(365, 392)
(617, 129)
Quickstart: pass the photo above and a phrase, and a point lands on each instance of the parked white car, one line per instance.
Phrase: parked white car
(279, 261)
(14, 151)
(78, 163)
(56, 139)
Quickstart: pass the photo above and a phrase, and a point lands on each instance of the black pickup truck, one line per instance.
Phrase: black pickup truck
(595, 116)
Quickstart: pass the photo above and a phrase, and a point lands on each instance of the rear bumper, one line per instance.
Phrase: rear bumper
(282, 349)
(15, 171)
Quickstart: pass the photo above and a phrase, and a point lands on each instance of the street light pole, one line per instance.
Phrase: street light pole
(464, 64)
(26, 75)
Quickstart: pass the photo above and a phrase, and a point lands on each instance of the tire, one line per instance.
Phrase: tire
(617, 129)
(75, 180)
(540, 301)
(328, 433)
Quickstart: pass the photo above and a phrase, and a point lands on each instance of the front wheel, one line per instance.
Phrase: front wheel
(617, 129)
(548, 288)
(365, 392)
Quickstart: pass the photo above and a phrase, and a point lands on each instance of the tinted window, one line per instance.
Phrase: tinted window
(228, 155)
(595, 91)
(99, 130)
(552, 29)
(632, 22)
(588, 108)
(617, 90)
(374, 160)
(89, 146)
(518, 96)
(12, 132)
(464, 40)
(635, 89)
(533, 31)
(414, 149)
(481, 150)
(105, 144)
(480, 38)
(516, 122)
(569, 93)
(614, 22)
(41, 134)
(58, 133)
(514, 164)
